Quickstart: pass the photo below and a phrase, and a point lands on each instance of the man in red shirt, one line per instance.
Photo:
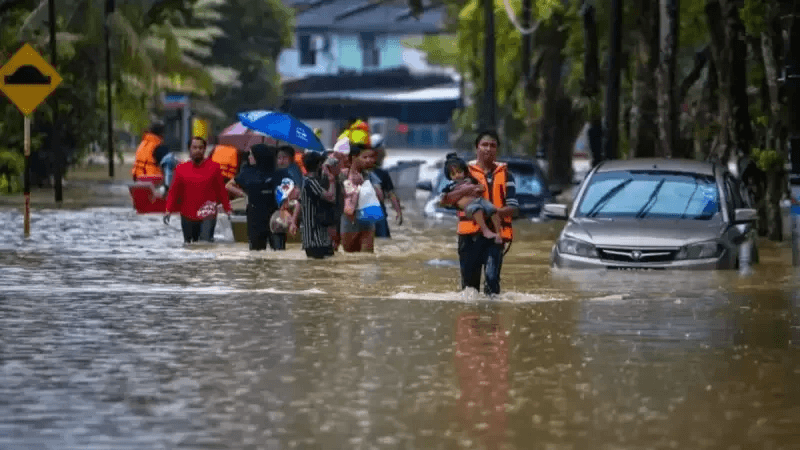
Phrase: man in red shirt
(196, 190)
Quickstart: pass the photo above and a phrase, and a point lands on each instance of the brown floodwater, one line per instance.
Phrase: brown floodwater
(115, 336)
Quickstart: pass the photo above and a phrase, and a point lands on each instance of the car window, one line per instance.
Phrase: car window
(734, 193)
(650, 194)
(528, 184)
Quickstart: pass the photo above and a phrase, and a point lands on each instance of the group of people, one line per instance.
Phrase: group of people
(321, 194)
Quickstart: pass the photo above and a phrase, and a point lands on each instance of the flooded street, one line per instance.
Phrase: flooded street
(115, 336)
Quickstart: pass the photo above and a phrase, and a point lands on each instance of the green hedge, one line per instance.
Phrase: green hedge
(11, 166)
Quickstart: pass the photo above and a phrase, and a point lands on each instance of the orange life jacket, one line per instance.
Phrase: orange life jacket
(146, 164)
(298, 159)
(228, 159)
(496, 193)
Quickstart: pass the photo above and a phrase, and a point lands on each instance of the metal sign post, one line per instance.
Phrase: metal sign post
(27, 178)
(27, 79)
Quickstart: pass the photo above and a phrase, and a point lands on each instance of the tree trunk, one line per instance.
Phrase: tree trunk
(554, 128)
(667, 95)
(742, 128)
(720, 54)
(643, 135)
(591, 83)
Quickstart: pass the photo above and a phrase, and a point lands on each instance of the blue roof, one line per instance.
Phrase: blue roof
(367, 16)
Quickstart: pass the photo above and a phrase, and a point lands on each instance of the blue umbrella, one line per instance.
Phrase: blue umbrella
(283, 127)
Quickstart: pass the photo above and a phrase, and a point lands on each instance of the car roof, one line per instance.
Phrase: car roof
(671, 165)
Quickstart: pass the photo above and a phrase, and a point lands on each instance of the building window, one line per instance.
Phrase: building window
(308, 54)
(370, 53)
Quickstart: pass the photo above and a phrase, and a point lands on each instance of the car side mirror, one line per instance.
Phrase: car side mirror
(425, 185)
(744, 215)
(555, 211)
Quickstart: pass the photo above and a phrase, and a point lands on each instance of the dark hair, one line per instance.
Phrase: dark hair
(265, 157)
(160, 152)
(313, 161)
(157, 128)
(198, 138)
(288, 149)
(356, 149)
(452, 160)
(487, 133)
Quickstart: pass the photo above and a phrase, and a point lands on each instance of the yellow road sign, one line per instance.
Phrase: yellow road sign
(27, 79)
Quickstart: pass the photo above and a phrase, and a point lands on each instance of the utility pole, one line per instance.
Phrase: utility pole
(489, 101)
(55, 148)
(110, 118)
(611, 134)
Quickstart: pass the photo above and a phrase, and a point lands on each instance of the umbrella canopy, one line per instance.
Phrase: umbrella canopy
(283, 127)
(241, 137)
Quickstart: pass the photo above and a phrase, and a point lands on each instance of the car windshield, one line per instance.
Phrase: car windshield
(643, 194)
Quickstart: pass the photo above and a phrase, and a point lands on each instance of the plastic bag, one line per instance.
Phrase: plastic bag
(368, 208)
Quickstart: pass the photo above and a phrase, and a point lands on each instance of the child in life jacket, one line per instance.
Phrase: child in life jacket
(476, 208)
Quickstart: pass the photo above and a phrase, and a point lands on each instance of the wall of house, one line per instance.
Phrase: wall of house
(344, 53)
(349, 52)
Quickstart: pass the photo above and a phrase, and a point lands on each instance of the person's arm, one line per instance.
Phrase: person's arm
(511, 208)
(234, 189)
(460, 191)
(351, 189)
(397, 208)
(328, 195)
(222, 193)
(173, 199)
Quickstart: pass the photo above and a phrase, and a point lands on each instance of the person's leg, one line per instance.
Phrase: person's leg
(367, 240)
(350, 235)
(207, 226)
(257, 231)
(470, 260)
(277, 241)
(318, 252)
(382, 229)
(186, 227)
(494, 262)
(475, 211)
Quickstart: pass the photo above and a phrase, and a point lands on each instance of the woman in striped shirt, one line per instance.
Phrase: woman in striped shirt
(317, 206)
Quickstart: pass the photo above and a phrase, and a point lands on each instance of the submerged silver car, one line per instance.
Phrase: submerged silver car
(655, 214)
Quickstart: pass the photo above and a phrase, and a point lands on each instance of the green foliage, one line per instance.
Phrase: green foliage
(753, 13)
(11, 166)
(441, 50)
(766, 158)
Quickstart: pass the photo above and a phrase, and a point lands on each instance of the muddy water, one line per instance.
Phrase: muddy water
(115, 336)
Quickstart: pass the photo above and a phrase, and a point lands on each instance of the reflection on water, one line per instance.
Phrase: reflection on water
(113, 335)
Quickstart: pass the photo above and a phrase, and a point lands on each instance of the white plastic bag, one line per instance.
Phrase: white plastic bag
(368, 208)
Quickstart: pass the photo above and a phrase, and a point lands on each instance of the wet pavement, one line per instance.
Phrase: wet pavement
(115, 336)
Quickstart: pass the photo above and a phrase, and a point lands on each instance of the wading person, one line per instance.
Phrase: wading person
(167, 162)
(317, 206)
(358, 235)
(285, 161)
(258, 181)
(196, 191)
(387, 188)
(476, 252)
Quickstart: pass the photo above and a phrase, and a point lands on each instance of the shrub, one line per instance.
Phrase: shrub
(11, 166)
